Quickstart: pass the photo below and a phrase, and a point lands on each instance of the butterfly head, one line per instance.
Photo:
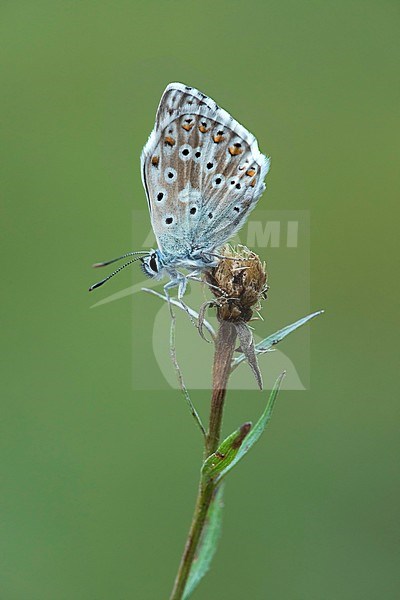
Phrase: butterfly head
(152, 264)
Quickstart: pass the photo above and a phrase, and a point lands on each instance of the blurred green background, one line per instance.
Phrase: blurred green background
(98, 478)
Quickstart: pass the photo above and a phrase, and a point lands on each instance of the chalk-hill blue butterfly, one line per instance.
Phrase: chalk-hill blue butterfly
(203, 173)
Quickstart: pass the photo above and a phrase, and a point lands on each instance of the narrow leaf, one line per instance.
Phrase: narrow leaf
(226, 453)
(207, 545)
(273, 339)
(236, 446)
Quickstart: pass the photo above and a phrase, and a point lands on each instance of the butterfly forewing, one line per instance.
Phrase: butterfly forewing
(202, 171)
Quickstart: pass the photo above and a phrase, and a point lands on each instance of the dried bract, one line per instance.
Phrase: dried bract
(239, 281)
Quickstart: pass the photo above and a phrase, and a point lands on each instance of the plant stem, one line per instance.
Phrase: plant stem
(183, 387)
(224, 349)
(203, 502)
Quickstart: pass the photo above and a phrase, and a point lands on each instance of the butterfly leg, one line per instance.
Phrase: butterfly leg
(181, 292)
(181, 280)
(182, 285)
(171, 284)
(178, 280)
(210, 285)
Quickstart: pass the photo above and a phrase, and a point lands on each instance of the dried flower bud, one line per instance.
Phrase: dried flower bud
(239, 282)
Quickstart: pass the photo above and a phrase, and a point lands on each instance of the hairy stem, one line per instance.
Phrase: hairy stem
(224, 349)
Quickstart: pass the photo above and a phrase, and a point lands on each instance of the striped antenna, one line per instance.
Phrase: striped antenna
(113, 260)
(99, 283)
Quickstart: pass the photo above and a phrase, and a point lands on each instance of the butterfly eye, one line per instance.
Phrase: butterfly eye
(153, 263)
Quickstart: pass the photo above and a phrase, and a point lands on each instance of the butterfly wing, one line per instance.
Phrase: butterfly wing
(202, 171)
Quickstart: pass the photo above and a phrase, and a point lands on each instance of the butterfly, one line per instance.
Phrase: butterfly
(202, 173)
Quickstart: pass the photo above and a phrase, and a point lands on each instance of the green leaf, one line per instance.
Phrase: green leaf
(236, 446)
(208, 543)
(216, 463)
(273, 339)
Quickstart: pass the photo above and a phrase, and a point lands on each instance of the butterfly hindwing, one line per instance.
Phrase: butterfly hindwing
(202, 171)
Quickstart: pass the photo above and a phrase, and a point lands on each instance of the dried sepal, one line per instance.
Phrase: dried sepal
(201, 318)
(245, 336)
(239, 281)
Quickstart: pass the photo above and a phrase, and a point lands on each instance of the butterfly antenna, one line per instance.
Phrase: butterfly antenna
(113, 260)
(99, 283)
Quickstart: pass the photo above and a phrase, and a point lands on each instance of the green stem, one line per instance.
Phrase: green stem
(224, 349)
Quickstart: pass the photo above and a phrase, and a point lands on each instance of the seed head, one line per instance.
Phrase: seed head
(239, 281)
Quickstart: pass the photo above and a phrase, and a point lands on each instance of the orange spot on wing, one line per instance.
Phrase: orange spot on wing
(188, 126)
(155, 160)
(235, 150)
(250, 172)
(203, 128)
(169, 141)
(253, 183)
(218, 138)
